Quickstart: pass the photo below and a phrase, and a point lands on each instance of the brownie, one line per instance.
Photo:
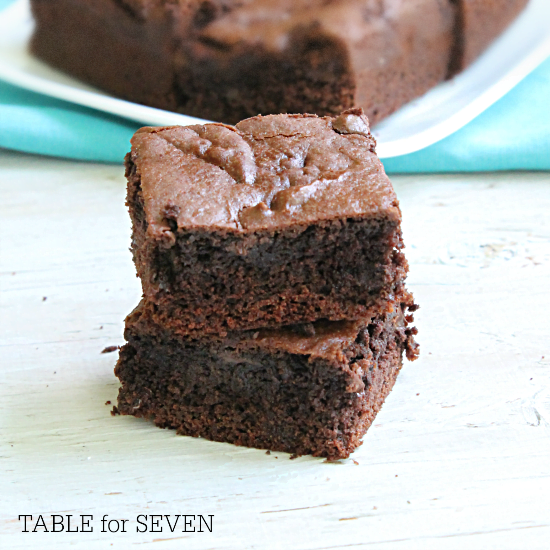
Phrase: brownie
(120, 46)
(274, 313)
(227, 60)
(478, 23)
(282, 219)
(314, 56)
(306, 389)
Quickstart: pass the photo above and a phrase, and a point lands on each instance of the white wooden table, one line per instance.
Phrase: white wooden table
(459, 456)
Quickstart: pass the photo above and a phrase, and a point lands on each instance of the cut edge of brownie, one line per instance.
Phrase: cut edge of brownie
(229, 82)
(305, 389)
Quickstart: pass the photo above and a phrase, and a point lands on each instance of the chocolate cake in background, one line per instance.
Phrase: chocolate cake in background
(274, 313)
(315, 56)
(226, 60)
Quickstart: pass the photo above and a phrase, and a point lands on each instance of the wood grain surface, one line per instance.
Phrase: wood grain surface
(459, 456)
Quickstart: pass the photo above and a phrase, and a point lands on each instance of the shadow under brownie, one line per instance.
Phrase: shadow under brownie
(306, 389)
(282, 219)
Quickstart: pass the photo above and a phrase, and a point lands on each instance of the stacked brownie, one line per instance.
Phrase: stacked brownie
(274, 311)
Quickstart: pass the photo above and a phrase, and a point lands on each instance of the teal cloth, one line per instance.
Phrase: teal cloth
(34, 123)
(514, 134)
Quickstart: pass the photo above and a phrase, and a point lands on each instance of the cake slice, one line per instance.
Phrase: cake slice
(304, 389)
(282, 219)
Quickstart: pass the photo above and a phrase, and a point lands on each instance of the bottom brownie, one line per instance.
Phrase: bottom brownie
(305, 389)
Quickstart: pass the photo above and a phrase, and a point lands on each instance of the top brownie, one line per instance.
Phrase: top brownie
(282, 219)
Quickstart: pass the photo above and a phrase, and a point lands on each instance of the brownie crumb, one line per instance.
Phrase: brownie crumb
(268, 452)
(107, 402)
(115, 412)
(110, 349)
(44, 298)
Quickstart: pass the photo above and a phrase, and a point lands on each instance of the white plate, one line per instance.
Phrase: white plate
(424, 121)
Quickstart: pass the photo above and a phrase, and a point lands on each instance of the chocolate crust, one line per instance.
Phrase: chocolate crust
(306, 389)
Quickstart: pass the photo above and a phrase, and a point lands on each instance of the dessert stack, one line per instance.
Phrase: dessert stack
(274, 311)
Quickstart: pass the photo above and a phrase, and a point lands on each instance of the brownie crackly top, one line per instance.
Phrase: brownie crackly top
(264, 173)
